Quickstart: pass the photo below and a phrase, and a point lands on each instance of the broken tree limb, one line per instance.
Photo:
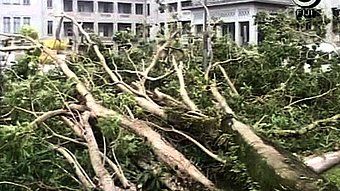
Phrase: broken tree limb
(205, 150)
(105, 179)
(80, 172)
(307, 128)
(48, 115)
(162, 149)
(230, 84)
(323, 162)
(182, 91)
(79, 132)
(17, 48)
(270, 166)
(142, 99)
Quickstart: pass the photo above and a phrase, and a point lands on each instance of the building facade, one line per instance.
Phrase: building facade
(13, 15)
(234, 17)
(331, 8)
(16, 13)
(102, 17)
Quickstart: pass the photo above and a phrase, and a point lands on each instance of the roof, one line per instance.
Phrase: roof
(213, 3)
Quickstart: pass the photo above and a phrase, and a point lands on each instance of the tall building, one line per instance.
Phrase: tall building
(102, 17)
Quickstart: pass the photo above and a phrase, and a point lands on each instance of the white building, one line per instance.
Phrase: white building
(331, 8)
(13, 15)
(16, 13)
(236, 17)
(103, 17)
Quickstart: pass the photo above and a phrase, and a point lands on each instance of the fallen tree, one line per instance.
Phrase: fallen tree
(101, 89)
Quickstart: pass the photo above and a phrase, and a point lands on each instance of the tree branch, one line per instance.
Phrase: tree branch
(183, 92)
(48, 115)
(324, 162)
(80, 172)
(105, 179)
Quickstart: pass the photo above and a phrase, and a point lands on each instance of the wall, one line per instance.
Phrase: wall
(326, 6)
(33, 11)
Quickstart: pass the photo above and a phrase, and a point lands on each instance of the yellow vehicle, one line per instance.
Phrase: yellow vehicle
(55, 45)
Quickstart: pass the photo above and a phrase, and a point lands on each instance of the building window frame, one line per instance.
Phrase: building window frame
(26, 21)
(124, 10)
(49, 4)
(26, 2)
(84, 8)
(105, 7)
(16, 24)
(244, 32)
(67, 8)
(50, 28)
(6, 2)
(7, 24)
(16, 2)
(139, 9)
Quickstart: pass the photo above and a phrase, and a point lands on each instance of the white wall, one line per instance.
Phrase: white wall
(326, 6)
(33, 11)
(231, 13)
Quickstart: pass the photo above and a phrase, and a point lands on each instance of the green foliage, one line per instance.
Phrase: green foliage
(269, 77)
(27, 30)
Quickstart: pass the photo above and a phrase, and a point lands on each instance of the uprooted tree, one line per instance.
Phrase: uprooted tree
(148, 116)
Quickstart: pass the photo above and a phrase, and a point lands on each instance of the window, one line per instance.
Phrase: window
(186, 27)
(68, 5)
(16, 2)
(244, 29)
(199, 29)
(7, 24)
(105, 29)
(49, 4)
(172, 7)
(139, 29)
(49, 27)
(186, 3)
(16, 25)
(27, 21)
(124, 26)
(6, 1)
(139, 9)
(124, 8)
(162, 28)
(336, 20)
(85, 6)
(68, 29)
(148, 9)
(228, 29)
(105, 7)
(27, 2)
(88, 27)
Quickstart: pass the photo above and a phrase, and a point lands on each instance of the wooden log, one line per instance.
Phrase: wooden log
(273, 167)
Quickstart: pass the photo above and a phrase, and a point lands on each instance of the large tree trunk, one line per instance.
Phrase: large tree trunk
(273, 167)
